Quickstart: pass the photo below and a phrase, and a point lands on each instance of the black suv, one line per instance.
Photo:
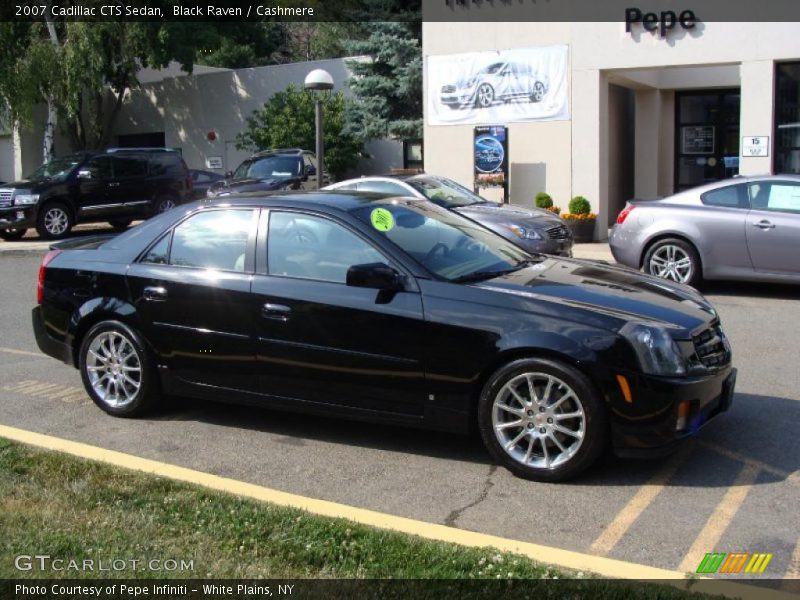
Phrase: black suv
(117, 185)
(271, 170)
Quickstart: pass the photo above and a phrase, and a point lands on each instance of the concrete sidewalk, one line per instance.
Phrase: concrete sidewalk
(593, 251)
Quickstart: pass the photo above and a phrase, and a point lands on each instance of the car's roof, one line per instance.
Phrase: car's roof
(335, 199)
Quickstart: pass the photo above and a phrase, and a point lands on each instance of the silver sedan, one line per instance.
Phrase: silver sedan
(741, 228)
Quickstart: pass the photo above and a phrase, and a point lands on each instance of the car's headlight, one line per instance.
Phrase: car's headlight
(525, 233)
(26, 199)
(658, 353)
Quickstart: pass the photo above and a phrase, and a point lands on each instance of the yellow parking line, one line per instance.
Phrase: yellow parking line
(614, 531)
(567, 559)
(720, 518)
(791, 476)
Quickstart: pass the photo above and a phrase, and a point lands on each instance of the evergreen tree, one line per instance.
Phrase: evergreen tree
(387, 83)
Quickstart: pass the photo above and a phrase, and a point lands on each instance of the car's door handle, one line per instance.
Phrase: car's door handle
(278, 312)
(113, 184)
(764, 224)
(154, 294)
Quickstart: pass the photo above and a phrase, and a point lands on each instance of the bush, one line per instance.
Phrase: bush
(579, 206)
(543, 200)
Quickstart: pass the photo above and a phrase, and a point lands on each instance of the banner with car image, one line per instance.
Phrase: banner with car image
(523, 84)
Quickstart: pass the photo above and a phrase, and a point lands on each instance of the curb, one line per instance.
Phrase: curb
(568, 559)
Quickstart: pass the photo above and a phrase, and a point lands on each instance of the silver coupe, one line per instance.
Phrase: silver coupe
(745, 228)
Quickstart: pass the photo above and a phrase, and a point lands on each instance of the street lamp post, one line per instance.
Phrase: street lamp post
(319, 80)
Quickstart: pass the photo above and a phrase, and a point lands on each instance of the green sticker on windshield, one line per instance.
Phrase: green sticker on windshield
(381, 219)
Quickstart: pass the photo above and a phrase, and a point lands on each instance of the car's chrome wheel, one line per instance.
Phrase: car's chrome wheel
(538, 420)
(164, 204)
(538, 92)
(485, 95)
(670, 261)
(117, 370)
(542, 419)
(54, 221)
(114, 368)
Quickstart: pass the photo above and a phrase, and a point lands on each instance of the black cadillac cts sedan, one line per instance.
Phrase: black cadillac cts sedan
(386, 309)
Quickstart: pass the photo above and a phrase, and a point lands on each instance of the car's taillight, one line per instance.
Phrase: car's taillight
(624, 213)
(40, 284)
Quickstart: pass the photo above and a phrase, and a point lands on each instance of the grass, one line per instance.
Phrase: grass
(74, 509)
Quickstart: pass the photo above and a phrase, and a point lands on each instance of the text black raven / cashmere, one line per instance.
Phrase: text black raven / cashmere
(386, 309)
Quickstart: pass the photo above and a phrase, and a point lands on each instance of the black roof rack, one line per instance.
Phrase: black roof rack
(292, 151)
(140, 149)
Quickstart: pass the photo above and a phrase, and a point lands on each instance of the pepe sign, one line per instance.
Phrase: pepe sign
(662, 21)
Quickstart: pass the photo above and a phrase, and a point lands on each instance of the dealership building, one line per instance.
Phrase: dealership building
(648, 107)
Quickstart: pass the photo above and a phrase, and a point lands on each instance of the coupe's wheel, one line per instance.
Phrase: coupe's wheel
(673, 259)
(12, 234)
(542, 419)
(538, 92)
(117, 371)
(120, 224)
(485, 96)
(163, 204)
(54, 221)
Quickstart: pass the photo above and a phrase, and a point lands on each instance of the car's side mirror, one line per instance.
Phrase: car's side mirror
(228, 174)
(84, 174)
(377, 276)
(310, 170)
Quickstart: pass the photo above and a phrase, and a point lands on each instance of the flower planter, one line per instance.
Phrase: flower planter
(582, 231)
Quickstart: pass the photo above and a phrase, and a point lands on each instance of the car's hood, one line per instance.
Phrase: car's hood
(617, 292)
(505, 213)
(26, 184)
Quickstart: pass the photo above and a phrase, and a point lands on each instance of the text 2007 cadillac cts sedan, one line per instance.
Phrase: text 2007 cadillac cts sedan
(386, 309)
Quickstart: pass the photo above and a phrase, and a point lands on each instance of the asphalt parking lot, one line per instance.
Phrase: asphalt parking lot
(733, 489)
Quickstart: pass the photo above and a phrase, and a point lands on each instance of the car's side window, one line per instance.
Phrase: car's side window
(159, 253)
(780, 196)
(100, 167)
(731, 196)
(129, 166)
(216, 239)
(310, 247)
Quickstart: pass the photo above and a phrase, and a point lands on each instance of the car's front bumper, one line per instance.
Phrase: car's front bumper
(17, 217)
(647, 425)
(48, 344)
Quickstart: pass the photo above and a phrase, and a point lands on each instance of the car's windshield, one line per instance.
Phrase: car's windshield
(444, 192)
(493, 68)
(56, 169)
(270, 166)
(445, 243)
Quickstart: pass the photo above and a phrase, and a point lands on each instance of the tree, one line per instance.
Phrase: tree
(387, 84)
(74, 66)
(287, 121)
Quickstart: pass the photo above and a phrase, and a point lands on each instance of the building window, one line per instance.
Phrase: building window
(787, 118)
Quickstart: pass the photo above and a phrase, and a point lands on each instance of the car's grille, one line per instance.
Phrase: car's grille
(448, 89)
(711, 347)
(5, 198)
(559, 232)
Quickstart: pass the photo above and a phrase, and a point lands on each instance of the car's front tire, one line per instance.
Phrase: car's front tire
(673, 259)
(538, 92)
(484, 97)
(12, 234)
(120, 224)
(542, 419)
(54, 221)
(117, 370)
(163, 204)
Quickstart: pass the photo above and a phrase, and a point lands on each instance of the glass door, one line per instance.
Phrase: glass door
(707, 137)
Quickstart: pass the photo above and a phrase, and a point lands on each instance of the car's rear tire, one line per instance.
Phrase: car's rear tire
(542, 419)
(164, 203)
(674, 259)
(538, 92)
(117, 370)
(54, 221)
(120, 224)
(12, 234)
